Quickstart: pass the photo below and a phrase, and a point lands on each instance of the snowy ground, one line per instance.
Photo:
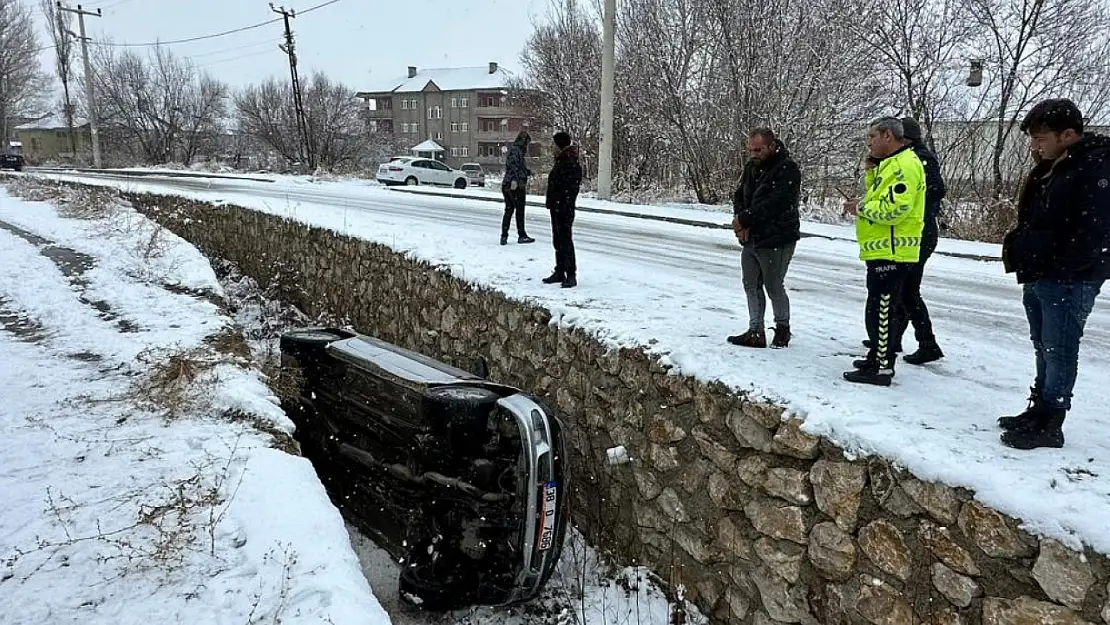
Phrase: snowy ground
(677, 290)
(144, 472)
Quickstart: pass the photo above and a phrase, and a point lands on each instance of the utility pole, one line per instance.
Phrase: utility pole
(290, 49)
(605, 155)
(94, 126)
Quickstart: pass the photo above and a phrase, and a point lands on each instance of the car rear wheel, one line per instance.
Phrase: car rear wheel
(460, 183)
(411, 181)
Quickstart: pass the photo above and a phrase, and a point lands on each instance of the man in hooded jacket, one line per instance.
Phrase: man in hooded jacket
(1060, 251)
(515, 188)
(563, 184)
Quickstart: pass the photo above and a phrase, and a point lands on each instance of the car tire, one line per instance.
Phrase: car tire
(411, 181)
(460, 183)
(462, 412)
(308, 344)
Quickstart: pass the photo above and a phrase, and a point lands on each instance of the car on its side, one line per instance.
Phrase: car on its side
(474, 173)
(412, 171)
(462, 480)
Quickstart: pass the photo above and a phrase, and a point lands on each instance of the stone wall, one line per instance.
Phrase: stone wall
(757, 520)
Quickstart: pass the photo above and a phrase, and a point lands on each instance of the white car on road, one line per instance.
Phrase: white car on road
(412, 171)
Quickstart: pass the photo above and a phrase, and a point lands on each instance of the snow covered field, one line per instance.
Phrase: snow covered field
(143, 472)
(676, 289)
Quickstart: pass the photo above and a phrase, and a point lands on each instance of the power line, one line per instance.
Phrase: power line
(233, 31)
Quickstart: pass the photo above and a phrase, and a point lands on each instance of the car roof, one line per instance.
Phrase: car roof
(364, 350)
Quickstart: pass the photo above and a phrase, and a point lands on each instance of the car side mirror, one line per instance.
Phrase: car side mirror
(481, 369)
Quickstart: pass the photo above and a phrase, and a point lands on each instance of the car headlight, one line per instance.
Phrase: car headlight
(539, 427)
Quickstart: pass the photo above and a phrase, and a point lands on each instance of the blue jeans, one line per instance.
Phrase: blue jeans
(1057, 312)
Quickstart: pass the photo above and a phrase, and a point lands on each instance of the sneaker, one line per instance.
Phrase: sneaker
(1045, 430)
(554, 278)
(525, 239)
(570, 282)
(751, 338)
(1025, 418)
(874, 377)
(782, 337)
(926, 353)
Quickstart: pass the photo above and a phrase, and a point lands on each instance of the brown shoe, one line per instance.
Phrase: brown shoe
(782, 337)
(751, 338)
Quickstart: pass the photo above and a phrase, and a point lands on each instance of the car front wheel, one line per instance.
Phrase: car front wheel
(460, 183)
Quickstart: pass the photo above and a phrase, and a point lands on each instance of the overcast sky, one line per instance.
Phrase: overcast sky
(359, 42)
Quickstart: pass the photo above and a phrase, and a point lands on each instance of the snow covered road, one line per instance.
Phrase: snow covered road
(677, 289)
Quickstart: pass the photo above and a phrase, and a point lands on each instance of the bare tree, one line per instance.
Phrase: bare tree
(23, 85)
(158, 108)
(1033, 49)
(59, 24)
(562, 61)
(337, 127)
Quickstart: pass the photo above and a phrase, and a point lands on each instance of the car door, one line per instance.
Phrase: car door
(444, 174)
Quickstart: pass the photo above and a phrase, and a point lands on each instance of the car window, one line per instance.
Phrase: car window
(420, 164)
(438, 165)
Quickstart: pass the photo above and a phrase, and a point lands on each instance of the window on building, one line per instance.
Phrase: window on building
(454, 103)
(489, 100)
(464, 102)
(415, 129)
(464, 151)
(405, 128)
(385, 104)
(439, 136)
(435, 112)
(405, 104)
(454, 126)
(489, 125)
(454, 152)
(464, 127)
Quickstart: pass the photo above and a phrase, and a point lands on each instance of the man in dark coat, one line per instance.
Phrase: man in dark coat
(913, 305)
(1060, 251)
(515, 188)
(563, 184)
(766, 222)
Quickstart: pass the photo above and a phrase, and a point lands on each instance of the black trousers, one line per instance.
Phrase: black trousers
(883, 315)
(914, 309)
(514, 204)
(562, 239)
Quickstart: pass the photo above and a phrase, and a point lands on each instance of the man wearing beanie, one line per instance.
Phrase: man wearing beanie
(915, 310)
(563, 184)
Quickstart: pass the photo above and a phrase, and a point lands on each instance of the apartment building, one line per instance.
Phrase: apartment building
(459, 115)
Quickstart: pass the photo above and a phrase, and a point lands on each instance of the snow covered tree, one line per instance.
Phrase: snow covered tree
(24, 87)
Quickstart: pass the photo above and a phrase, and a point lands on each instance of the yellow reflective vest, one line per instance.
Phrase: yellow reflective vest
(892, 217)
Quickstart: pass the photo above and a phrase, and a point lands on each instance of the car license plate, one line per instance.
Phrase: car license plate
(547, 515)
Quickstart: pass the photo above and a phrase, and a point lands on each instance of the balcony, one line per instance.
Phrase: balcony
(499, 135)
(379, 113)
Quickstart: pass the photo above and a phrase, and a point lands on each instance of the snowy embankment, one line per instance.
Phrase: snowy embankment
(675, 290)
(148, 475)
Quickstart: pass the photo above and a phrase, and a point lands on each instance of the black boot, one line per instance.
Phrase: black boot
(1026, 418)
(872, 372)
(504, 239)
(782, 337)
(1046, 430)
(570, 282)
(555, 278)
(525, 239)
(926, 352)
(751, 338)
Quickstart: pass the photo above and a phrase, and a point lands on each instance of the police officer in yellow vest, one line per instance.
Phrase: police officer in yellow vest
(889, 225)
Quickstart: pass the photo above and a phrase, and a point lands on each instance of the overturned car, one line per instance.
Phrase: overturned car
(460, 479)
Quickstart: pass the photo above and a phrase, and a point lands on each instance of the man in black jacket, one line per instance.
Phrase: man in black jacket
(766, 222)
(1060, 251)
(514, 188)
(563, 184)
(916, 312)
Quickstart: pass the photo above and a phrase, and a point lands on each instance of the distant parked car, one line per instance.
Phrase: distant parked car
(11, 158)
(415, 171)
(474, 173)
(460, 479)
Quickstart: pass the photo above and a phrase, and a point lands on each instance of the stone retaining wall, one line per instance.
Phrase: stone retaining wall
(758, 521)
